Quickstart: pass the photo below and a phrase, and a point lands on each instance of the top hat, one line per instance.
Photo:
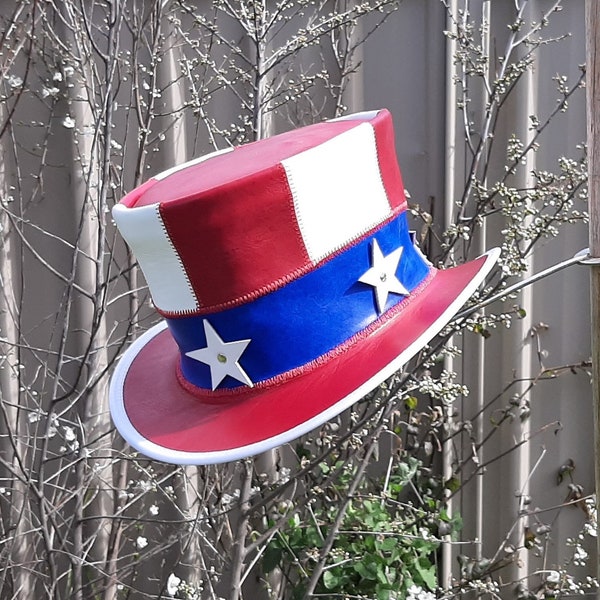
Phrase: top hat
(289, 285)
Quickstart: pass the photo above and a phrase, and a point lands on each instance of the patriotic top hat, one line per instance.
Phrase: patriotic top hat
(289, 286)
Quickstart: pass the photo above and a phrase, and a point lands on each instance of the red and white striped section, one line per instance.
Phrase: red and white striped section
(232, 226)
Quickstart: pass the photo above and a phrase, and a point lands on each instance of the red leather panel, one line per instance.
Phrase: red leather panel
(163, 412)
(229, 254)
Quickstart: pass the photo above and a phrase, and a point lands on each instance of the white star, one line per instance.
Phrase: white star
(222, 357)
(382, 275)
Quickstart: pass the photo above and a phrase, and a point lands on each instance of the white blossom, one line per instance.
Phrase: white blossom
(52, 91)
(580, 555)
(70, 434)
(418, 593)
(284, 474)
(53, 426)
(144, 485)
(34, 416)
(173, 584)
(68, 122)
(553, 577)
(141, 542)
(14, 81)
(591, 529)
(227, 499)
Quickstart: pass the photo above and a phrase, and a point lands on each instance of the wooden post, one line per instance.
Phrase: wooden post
(592, 19)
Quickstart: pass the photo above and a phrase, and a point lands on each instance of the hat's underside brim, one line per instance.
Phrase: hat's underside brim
(158, 417)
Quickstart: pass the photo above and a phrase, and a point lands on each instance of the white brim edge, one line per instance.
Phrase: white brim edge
(155, 451)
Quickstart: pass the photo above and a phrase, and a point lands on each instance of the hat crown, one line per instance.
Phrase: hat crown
(226, 229)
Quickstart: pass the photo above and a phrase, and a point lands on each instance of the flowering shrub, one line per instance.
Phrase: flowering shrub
(386, 544)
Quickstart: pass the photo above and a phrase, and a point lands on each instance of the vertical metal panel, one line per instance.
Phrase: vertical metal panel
(407, 69)
(403, 70)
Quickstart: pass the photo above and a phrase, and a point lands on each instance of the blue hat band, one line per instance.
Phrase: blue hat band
(305, 319)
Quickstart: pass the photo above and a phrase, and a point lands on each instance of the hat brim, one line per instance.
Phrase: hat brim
(158, 417)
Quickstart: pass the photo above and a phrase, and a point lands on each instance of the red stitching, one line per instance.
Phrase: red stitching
(218, 396)
(281, 281)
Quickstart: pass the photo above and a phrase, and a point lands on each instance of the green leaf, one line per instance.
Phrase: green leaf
(294, 521)
(457, 523)
(302, 452)
(271, 558)
(383, 594)
(411, 403)
(367, 571)
(406, 470)
(427, 573)
(381, 576)
(481, 330)
(452, 484)
(313, 537)
(361, 570)
(298, 591)
(387, 545)
(330, 580)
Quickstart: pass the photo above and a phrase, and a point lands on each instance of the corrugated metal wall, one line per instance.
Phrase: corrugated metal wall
(407, 67)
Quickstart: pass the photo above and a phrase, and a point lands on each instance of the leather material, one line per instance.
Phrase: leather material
(245, 161)
(167, 415)
(278, 257)
(235, 222)
(251, 246)
(306, 318)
